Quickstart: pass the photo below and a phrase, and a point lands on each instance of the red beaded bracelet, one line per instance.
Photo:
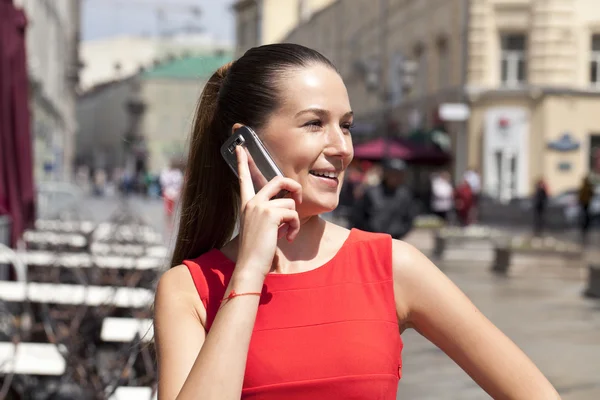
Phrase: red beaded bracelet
(233, 294)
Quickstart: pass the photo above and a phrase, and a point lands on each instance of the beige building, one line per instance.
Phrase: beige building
(268, 21)
(529, 72)
(53, 29)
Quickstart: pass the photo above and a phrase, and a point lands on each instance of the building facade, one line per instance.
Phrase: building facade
(52, 53)
(171, 92)
(527, 71)
(261, 22)
(153, 108)
(119, 73)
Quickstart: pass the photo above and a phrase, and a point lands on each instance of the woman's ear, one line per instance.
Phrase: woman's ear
(235, 127)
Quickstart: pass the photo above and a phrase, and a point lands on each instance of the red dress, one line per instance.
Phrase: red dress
(329, 333)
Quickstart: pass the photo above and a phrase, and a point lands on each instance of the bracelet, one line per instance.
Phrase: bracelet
(233, 294)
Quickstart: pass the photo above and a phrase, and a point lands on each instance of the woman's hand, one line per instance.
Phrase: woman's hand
(264, 221)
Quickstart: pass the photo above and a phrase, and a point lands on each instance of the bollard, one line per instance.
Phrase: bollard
(439, 245)
(502, 258)
(593, 289)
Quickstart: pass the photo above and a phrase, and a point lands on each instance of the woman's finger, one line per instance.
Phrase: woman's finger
(278, 184)
(289, 204)
(291, 219)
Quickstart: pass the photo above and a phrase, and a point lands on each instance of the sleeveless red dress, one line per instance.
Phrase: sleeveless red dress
(329, 333)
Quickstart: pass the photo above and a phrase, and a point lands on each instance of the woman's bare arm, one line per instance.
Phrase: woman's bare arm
(193, 364)
(428, 301)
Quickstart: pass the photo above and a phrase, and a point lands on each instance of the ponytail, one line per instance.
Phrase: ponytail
(210, 197)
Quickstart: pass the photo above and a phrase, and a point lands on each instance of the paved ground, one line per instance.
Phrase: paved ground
(539, 306)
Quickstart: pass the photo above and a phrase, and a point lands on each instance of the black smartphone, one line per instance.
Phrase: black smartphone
(267, 169)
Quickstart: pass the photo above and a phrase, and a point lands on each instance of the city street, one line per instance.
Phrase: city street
(539, 306)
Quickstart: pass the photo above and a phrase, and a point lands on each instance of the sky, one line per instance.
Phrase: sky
(105, 18)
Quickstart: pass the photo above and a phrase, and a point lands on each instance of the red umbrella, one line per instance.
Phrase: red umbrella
(380, 148)
(17, 195)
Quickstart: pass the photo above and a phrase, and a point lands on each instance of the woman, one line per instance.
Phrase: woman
(442, 195)
(295, 307)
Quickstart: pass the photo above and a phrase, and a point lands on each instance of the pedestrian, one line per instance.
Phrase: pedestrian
(442, 195)
(387, 207)
(540, 201)
(171, 182)
(474, 180)
(295, 307)
(463, 200)
(586, 192)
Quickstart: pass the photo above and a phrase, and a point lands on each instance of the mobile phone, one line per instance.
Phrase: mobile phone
(247, 138)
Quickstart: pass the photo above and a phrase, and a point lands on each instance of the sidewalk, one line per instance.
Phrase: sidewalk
(541, 308)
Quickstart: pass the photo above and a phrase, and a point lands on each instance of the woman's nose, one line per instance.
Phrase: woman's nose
(339, 143)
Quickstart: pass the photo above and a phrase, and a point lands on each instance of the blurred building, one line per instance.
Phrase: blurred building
(166, 95)
(121, 71)
(120, 57)
(103, 122)
(268, 21)
(53, 62)
(171, 92)
(525, 74)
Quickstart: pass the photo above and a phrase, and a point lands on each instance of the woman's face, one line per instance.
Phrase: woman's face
(309, 135)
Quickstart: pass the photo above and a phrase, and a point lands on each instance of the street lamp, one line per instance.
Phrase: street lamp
(135, 143)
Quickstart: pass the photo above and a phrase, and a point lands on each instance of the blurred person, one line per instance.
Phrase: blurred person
(171, 182)
(586, 192)
(540, 203)
(295, 307)
(371, 176)
(463, 202)
(474, 180)
(442, 195)
(387, 207)
(99, 182)
(348, 193)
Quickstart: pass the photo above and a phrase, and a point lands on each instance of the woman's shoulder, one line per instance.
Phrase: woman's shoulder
(176, 293)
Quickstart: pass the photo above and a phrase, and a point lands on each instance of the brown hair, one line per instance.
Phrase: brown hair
(247, 92)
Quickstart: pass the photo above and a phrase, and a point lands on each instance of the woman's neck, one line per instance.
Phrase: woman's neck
(291, 257)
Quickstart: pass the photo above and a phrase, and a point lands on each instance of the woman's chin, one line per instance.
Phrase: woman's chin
(313, 209)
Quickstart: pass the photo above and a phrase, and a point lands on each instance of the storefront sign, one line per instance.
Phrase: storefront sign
(564, 144)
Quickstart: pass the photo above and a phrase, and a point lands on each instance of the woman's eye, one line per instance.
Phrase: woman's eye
(347, 127)
(314, 125)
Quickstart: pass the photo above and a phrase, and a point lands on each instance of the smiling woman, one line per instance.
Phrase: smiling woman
(295, 307)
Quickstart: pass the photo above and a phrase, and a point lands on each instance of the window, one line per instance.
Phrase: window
(513, 59)
(594, 151)
(422, 70)
(595, 61)
(443, 65)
